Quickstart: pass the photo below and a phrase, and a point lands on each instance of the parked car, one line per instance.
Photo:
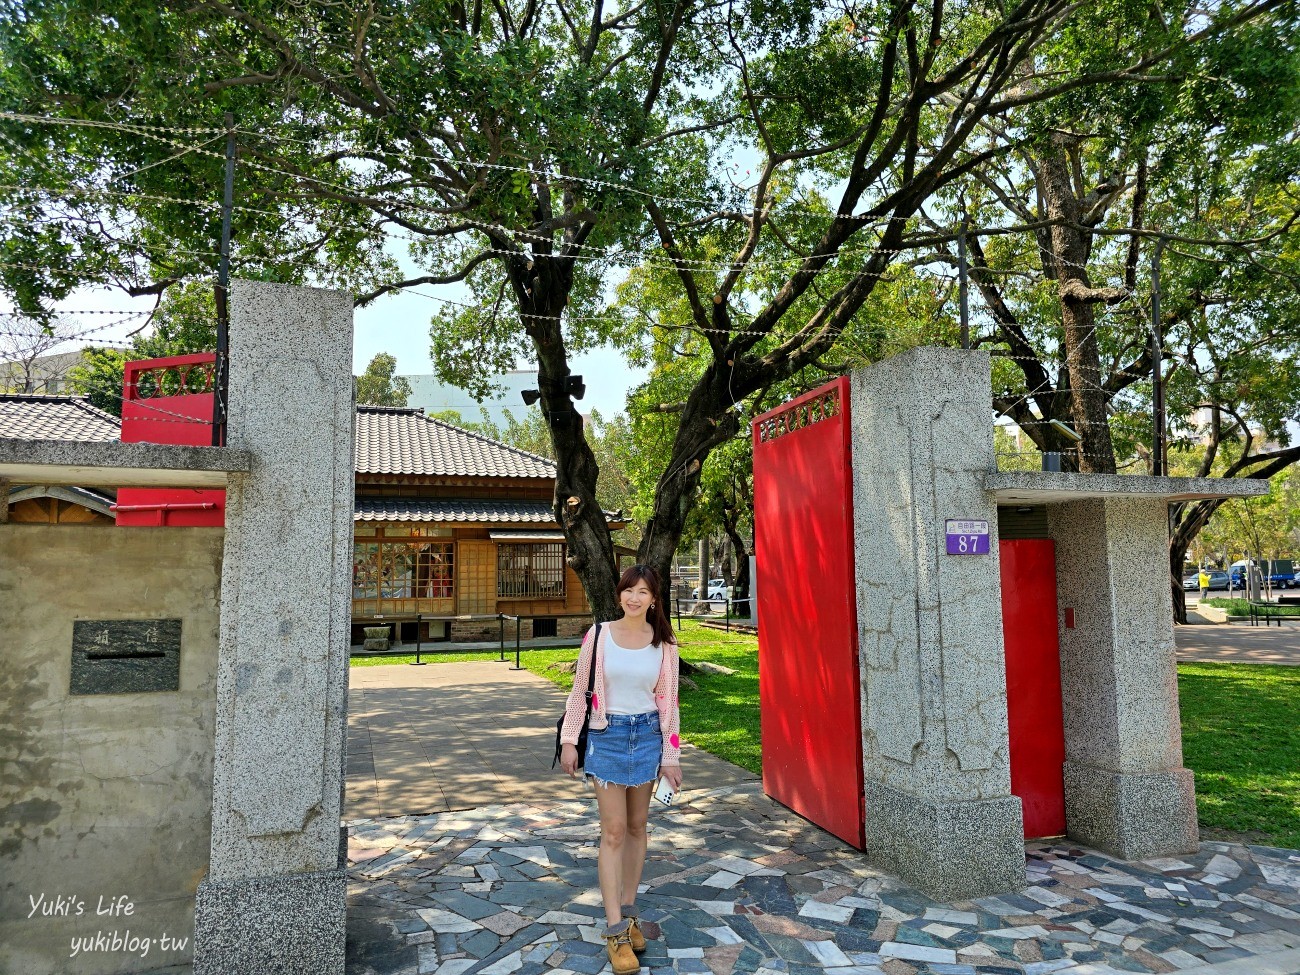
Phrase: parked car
(717, 589)
(1192, 582)
(1282, 580)
(1218, 580)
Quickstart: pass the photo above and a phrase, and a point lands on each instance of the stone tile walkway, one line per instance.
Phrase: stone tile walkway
(735, 883)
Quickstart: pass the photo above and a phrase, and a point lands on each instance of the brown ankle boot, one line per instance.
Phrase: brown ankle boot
(619, 945)
(635, 934)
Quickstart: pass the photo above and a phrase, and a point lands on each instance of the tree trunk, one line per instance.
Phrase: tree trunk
(1177, 555)
(542, 290)
(705, 423)
(740, 579)
(1071, 246)
(1187, 520)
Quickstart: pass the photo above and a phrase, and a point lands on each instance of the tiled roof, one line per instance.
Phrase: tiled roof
(454, 509)
(399, 440)
(27, 416)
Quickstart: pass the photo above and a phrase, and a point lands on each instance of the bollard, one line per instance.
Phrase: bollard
(419, 641)
(517, 665)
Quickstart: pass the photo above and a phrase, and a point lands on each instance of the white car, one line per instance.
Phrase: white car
(717, 589)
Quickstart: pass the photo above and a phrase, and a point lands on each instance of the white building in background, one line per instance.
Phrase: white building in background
(431, 395)
(46, 374)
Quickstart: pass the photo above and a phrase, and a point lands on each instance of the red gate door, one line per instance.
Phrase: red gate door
(807, 611)
(1034, 683)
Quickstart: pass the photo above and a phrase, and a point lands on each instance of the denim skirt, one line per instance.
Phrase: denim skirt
(627, 752)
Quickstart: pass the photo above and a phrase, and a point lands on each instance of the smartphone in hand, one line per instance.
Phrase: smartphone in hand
(664, 793)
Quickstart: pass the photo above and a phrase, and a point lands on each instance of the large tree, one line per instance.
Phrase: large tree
(528, 149)
(1195, 173)
(377, 386)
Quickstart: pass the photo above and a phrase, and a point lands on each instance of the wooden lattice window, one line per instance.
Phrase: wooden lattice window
(403, 570)
(530, 570)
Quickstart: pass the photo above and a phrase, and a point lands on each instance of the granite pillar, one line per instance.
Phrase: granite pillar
(274, 897)
(1126, 791)
(939, 809)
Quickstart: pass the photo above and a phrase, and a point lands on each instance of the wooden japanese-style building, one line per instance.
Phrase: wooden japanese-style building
(450, 526)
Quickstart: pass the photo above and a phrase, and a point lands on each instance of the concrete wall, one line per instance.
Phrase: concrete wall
(937, 769)
(274, 898)
(102, 795)
(1126, 791)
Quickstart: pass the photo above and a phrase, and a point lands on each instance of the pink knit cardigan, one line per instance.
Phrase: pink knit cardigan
(665, 698)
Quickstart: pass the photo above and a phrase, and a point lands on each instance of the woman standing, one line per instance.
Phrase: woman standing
(631, 741)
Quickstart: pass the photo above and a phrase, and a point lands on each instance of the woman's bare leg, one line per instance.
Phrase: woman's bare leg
(637, 810)
(612, 803)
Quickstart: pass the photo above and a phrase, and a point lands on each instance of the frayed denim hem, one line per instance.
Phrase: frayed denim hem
(605, 783)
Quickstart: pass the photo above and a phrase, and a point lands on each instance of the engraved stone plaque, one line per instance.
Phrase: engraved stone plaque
(125, 656)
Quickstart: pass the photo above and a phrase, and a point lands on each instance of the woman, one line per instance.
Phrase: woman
(631, 742)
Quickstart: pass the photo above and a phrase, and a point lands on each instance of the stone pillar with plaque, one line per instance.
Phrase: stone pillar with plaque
(938, 805)
(274, 898)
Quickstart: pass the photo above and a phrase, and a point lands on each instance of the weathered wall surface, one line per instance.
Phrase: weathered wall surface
(274, 900)
(102, 795)
(934, 714)
(1126, 790)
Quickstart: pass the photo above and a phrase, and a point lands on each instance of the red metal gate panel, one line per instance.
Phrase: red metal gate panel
(807, 611)
(169, 401)
(1034, 683)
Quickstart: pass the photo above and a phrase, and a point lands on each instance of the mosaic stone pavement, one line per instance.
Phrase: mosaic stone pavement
(735, 883)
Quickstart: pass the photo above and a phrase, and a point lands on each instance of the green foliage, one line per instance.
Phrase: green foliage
(377, 386)
(185, 323)
(795, 159)
(1267, 527)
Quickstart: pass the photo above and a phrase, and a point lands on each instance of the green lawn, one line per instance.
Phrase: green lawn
(1241, 738)
(1240, 734)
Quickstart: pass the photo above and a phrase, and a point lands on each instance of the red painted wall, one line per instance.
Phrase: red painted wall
(169, 401)
(1034, 683)
(807, 608)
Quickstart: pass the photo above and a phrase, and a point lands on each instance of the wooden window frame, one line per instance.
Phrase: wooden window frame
(541, 566)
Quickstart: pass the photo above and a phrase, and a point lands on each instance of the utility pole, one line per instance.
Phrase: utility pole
(963, 288)
(1159, 460)
(220, 384)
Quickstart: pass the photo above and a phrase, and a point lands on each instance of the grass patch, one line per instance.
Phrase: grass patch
(1241, 607)
(1241, 739)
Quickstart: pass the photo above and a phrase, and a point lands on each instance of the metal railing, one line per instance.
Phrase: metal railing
(419, 618)
(732, 609)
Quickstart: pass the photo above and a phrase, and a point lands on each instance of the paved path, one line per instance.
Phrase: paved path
(469, 856)
(452, 736)
(736, 884)
(1240, 643)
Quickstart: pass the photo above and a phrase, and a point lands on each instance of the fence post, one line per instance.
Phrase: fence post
(517, 665)
(501, 651)
(419, 640)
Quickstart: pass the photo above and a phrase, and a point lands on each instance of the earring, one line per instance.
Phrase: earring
(652, 605)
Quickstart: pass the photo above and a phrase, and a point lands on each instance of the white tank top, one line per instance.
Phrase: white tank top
(630, 677)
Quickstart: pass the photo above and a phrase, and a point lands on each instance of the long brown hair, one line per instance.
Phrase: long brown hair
(655, 615)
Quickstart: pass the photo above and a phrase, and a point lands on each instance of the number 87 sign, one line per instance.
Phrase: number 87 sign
(967, 537)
